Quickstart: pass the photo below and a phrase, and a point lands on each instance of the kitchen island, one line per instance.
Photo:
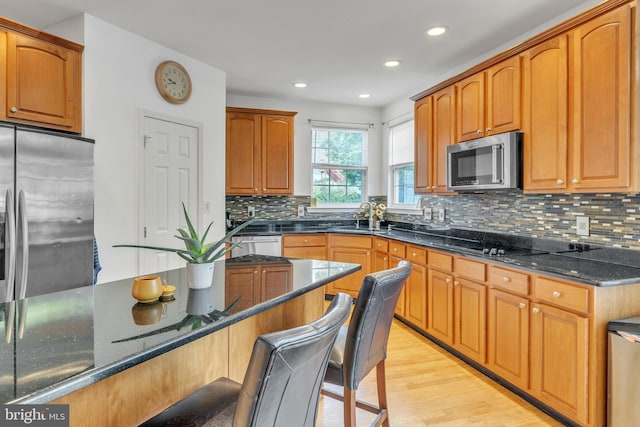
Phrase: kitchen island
(118, 362)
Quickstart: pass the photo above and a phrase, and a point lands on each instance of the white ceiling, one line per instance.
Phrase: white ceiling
(337, 46)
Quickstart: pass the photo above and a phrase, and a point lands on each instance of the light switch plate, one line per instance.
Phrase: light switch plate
(441, 214)
(428, 214)
(251, 210)
(582, 225)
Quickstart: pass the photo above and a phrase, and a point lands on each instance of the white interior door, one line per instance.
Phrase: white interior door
(170, 178)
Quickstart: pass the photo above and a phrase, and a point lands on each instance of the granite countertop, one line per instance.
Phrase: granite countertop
(586, 263)
(58, 343)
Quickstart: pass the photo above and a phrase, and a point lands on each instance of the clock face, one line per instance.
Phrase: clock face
(173, 82)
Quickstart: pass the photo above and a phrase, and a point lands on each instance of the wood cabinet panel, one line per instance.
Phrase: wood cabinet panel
(400, 306)
(509, 280)
(277, 154)
(416, 255)
(397, 249)
(440, 261)
(563, 295)
(473, 270)
(303, 240)
(546, 96)
(601, 88)
(503, 96)
(381, 245)
(470, 319)
(243, 153)
(380, 261)
(43, 83)
(444, 133)
(354, 249)
(508, 337)
(470, 107)
(312, 252)
(423, 134)
(440, 306)
(416, 296)
(559, 356)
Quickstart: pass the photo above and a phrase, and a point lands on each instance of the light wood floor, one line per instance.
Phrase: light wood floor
(427, 386)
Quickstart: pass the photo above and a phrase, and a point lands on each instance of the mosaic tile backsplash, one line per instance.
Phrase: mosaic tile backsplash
(614, 218)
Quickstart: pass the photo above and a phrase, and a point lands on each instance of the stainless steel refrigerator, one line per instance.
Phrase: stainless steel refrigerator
(46, 211)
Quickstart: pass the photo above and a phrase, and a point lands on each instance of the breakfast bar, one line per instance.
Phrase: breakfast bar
(116, 361)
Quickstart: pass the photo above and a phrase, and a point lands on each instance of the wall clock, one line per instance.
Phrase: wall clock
(173, 82)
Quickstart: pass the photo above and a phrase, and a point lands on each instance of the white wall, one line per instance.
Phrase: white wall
(302, 139)
(119, 83)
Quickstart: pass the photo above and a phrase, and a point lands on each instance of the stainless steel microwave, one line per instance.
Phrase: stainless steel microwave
(490, 163)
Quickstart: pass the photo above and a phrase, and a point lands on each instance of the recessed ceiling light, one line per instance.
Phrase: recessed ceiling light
(436, 31)
(300, 84)
(392, 63)
(364, 95)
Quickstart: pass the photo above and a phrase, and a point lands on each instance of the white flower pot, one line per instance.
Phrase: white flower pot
(199, 276)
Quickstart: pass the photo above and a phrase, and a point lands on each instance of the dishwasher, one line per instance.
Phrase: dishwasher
(257, 245)
(624, 365)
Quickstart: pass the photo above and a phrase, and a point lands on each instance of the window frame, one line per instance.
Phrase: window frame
(391, 169)
(364, 168)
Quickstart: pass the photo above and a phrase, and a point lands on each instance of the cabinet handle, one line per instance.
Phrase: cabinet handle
(456, 283)
(264, 271)
(560, 181)
(556, 294)
(536, 310)
(522, 305)
(255, 189)
(479, 132)
(305, 240)
(14, 110)
(448, 280)
(385, 258)
(506, 279)
(488, 131)
(574, 181)
(414, 254)
(255, 271)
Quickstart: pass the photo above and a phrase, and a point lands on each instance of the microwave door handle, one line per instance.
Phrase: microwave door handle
(10, 245)
(496, 153)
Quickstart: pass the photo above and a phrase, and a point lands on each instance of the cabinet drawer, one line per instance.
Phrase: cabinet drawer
(381, 245)
(471, 269)
(302, 240)
(416, 255)
(509, 280)
(397, 249)
(440, 261)
(574, 298)
(349, 241)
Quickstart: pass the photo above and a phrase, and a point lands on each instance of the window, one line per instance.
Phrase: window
(339, 165)
(401, 165)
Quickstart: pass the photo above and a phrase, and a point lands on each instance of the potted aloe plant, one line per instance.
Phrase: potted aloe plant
(198, 254)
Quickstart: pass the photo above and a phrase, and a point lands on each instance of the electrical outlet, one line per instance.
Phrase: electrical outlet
(251, 210)
(582, 225)
(441, 214)
(428, 214)
(301, 210)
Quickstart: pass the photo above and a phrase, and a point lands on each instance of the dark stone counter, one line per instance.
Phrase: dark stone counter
(54, 344)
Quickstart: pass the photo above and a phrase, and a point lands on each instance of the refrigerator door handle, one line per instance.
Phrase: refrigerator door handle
(10, 318)
(22, 218)
(10, 244)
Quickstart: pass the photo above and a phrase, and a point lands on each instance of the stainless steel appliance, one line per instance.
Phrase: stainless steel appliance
(46, 211)
(490, 163)
(257, 245)
(624, 364)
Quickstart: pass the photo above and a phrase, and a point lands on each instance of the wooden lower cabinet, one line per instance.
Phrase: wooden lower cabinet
(440, 306)
(415, 299)
(400, 306)
(255, 284)
(508, 336)
(353, 249)
(470, 319)
(308, 246)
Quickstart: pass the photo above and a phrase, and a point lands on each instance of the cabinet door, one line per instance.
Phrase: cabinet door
(276, 280)
(416, 296)
(43, 83)
(509, 337)
(440, 306)
(380, 261)
(470, 107)
(350, 284)
(545, 115)
(470, 319)
(601, 132)
(243, 282)
(422, 148)
(444, 133)
(277, 154)
(559, 369)
(503, 96)
(401, 305)
(243, 153)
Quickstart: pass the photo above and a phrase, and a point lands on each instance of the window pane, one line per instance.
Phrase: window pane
(340, 147)
(401, 143)
(338, 185)
(403, 186)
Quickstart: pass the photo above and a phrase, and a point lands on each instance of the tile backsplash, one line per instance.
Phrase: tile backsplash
(614, 218)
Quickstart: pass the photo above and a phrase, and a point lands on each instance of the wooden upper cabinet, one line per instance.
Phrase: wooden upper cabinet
(470, 107)
(601, 136)
(444, 133)
(422, 149)
(545, 115)
(259, 154)
(43, 83)
(503, 96)
(489, 101)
